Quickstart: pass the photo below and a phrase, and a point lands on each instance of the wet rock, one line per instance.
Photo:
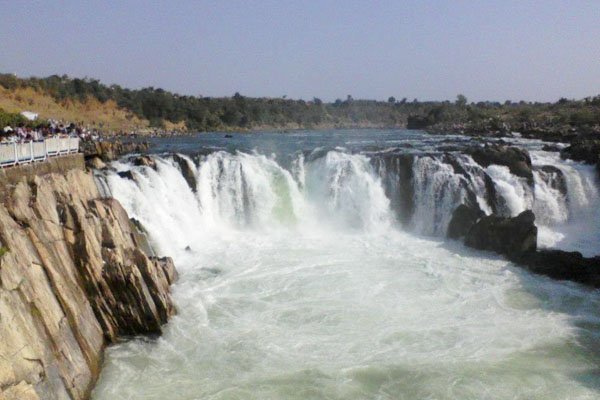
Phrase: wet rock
(509, 236)
(187, 171)
(463, 219)
(144, 161)
(126, 175)
(587, 151)
(551, 147)
(396, 170)
(517, 160)
(563, 265)
(553, 177)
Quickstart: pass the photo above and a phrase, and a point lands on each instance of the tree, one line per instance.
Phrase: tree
(391, 100)
(461, 100)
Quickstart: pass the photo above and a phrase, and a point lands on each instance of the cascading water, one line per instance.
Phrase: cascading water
(298, 284)
(438, 191)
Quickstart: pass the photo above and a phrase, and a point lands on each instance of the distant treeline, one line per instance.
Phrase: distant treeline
(214, 113)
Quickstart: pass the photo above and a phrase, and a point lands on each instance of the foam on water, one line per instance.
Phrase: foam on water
(298, 286)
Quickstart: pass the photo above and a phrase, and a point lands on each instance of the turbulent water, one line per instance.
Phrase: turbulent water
(318, 271)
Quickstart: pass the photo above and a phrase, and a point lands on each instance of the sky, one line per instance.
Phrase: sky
(430, 50)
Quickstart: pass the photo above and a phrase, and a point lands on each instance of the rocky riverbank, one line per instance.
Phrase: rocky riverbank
(74, 277)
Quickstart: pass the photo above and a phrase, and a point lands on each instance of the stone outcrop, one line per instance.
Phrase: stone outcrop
(517, 160)
(396, 170)
(553, 177)
(508, 236)
(585, 150)
(186, 171)
(516, 238)
(73, 278)
(110, 150)
(563, 265)
(463, 219)
(144, 161)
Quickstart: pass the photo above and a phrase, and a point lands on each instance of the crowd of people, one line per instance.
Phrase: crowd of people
(22, 133)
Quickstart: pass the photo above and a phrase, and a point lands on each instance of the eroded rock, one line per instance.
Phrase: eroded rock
(508, 236)
(74, 279)
(463, 219)
(186, 170)
(517, 160)
(563, 265)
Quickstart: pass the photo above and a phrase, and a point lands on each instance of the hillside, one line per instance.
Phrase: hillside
(92, 112)
(114, 108)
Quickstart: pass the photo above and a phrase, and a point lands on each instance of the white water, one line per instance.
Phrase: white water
(309, 291)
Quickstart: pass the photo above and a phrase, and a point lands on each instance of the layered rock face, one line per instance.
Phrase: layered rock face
(73, 278)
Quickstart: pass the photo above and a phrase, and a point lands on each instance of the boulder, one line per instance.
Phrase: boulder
(504, 235)
(563, 265)
(587, 151)
(553, 177)
(110, 150)
(463, 219)
(95, 162)
(396, 169)
(126, 175)
(144, 161)
(517, 160)
(551, 147)
(186, 170)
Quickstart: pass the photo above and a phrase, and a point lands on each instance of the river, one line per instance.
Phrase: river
(304, 276)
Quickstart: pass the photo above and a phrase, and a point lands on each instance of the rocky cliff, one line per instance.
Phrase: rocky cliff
(73, 278)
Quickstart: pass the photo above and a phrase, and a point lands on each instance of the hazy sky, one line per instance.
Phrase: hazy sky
(497, 50)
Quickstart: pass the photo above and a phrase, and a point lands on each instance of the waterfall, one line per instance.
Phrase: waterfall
(303, 279)
(438, 191)
(355, 191)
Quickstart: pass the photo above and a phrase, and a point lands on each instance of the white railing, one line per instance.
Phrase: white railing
(24, 153)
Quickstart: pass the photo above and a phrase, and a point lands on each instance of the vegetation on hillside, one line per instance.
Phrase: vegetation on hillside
(162, 109)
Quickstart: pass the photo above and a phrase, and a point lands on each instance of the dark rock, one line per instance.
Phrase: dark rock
(550, 147)
(587, 151)
(396, 170)
(186, 171)
(563, 265)
(517, 160)
(126, 175)
(508, 236)
(463, 219)
(553, 177)
(491, 195)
